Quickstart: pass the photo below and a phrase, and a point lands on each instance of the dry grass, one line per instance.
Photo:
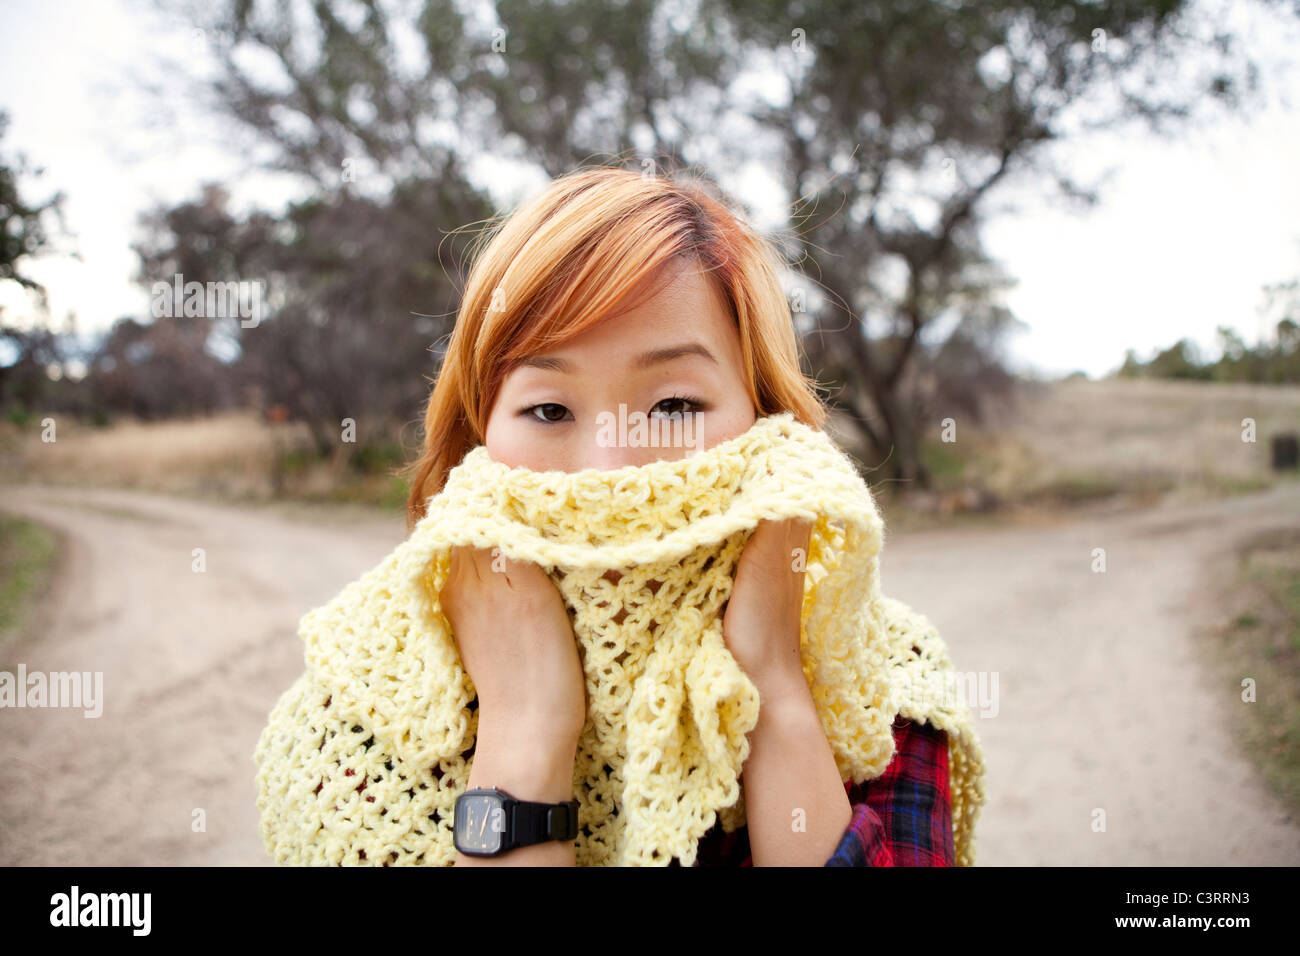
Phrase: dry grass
(233, 456)
(1257, 636)
(1107, 444)
(1060, 446)
(1184, 436)
(230, 454)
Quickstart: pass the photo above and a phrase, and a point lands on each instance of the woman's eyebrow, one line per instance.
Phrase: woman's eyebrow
(644, 360)
(659, 356)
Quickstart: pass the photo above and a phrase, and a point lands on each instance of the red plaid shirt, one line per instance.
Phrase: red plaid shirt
(901, 818)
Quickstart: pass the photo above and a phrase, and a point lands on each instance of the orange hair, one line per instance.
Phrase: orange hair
(566, 260)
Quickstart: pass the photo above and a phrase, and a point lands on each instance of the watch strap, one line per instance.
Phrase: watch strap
(534, 823)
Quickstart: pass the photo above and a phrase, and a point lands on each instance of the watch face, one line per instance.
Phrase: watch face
(480, 823)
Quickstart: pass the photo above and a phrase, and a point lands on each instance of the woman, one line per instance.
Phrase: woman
(610, 294)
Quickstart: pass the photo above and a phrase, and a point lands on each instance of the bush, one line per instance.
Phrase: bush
(378, 459)
(18, 415)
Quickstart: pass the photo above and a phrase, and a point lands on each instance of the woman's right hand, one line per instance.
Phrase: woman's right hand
(516, 642)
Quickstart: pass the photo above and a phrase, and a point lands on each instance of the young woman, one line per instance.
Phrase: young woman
(613, 290)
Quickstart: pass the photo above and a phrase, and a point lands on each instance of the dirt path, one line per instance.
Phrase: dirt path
(1102, 701)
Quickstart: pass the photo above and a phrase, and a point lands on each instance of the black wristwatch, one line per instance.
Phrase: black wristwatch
(489, 822)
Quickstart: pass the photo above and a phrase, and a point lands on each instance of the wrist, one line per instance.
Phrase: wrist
(787, 712)
(514, 719)
(782, 684)
(529, 763)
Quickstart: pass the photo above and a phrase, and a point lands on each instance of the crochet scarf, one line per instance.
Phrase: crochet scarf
(364, 755)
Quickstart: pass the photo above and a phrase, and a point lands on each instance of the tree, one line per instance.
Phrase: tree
(357, 291)
(1180, 360)
(24, 230)
(1288, 336)
(157, 369)
(895, 125)
(26, 355)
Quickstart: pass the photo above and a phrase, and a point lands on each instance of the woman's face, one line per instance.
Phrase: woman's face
(673, 357)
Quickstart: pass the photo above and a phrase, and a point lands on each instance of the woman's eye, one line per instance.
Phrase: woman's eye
(553, 407)
(684, 405)
(552, 412)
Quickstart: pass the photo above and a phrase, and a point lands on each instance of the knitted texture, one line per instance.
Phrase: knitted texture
(364, 755)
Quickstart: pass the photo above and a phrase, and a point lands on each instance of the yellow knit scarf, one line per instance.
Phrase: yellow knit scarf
(364, 755)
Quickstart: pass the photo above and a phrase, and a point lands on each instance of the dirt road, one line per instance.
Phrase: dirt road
(1102, 702)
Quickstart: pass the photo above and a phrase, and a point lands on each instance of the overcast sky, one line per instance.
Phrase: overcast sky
(1186, 234)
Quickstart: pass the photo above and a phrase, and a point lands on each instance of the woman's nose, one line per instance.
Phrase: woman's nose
(612, 442)
(607, 453)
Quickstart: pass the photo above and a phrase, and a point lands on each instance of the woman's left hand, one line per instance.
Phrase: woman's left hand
(761, 625)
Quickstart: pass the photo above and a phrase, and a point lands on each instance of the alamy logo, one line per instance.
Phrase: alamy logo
(102, 909)
(639, 430)
(57, 689)
(977, 690)
(209, 300)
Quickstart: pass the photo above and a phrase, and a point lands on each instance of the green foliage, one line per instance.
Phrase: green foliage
(1180, 360)
(395, 494)
(378, 458)
(27, 554)
(23, 230)
(1077, 489)
(1261, 639)
(945, 465)
(1270, 364)
(294, 461)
